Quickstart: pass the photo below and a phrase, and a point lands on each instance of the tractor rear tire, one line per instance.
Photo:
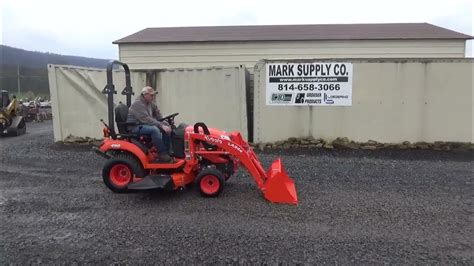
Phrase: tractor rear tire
(120, 170)
(210, 182)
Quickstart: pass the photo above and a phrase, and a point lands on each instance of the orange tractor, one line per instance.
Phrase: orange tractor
(204, 156)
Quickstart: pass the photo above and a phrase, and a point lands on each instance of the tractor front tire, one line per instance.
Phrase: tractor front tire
(210, 182)
(119, 171)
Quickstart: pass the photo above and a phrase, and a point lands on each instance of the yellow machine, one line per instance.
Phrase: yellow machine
(11, 121)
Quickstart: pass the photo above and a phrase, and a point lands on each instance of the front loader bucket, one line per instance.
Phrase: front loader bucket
(279, 187)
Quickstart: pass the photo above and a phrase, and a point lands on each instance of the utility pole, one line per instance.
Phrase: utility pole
(18, 75)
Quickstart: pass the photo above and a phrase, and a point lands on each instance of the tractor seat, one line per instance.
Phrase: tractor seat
(121, 113)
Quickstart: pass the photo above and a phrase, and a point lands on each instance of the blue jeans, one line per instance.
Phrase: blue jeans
(161, 140)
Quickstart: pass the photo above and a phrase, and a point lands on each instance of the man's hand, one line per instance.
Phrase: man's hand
(166, 129)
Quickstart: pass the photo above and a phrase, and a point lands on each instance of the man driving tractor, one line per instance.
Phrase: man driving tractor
(145, 114)
(204, 156)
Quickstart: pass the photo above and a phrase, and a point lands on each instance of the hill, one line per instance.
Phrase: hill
(33, 69)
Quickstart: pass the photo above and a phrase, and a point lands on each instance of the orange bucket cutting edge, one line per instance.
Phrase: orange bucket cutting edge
(279, 187)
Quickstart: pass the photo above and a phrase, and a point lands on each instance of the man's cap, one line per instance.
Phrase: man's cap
(148, 90)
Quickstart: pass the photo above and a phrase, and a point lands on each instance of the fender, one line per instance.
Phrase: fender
(122, 145)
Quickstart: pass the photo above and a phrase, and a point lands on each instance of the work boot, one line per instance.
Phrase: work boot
(163, 158)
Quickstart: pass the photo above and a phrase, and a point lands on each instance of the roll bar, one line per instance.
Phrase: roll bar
(110, 91)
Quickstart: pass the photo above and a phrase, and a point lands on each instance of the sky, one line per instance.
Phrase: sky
(88, 28)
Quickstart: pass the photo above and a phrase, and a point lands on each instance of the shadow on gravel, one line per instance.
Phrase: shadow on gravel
(394, 154)
(155, 193)
(161, 196)
(80, 147)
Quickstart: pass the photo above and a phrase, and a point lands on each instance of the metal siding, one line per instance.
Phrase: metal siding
(160, 56)
(394, 101)
(215, 96)
(77, 100)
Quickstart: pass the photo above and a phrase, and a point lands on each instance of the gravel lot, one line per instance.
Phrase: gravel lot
(389, 206)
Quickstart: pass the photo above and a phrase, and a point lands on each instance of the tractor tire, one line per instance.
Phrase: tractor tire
(119, 171)
(210, 182)
(21, 129)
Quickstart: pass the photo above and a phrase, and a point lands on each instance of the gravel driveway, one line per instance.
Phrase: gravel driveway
(357, 207)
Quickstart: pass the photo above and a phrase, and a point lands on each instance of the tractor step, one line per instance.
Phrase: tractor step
(152, 181)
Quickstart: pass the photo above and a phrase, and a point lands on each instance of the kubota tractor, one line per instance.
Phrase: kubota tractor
(205, 156)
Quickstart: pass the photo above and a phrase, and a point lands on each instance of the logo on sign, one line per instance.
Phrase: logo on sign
(299, 98)
(281, 97)
(327, 100)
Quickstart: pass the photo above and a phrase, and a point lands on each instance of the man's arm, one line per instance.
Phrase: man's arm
(156, 111)
(165, 126)
(157, 114)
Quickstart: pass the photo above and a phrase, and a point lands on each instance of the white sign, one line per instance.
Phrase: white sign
(309, 84)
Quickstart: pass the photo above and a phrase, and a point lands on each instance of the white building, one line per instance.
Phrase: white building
(189, 47)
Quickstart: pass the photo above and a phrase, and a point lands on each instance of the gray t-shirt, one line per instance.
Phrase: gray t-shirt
(144, 113)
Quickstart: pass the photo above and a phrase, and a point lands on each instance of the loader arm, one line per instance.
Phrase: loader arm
(275, 183)
(12, 107)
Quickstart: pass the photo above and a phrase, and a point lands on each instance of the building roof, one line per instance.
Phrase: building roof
(393, 31)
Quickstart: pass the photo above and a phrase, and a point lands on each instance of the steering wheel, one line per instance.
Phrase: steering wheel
(169, 119)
